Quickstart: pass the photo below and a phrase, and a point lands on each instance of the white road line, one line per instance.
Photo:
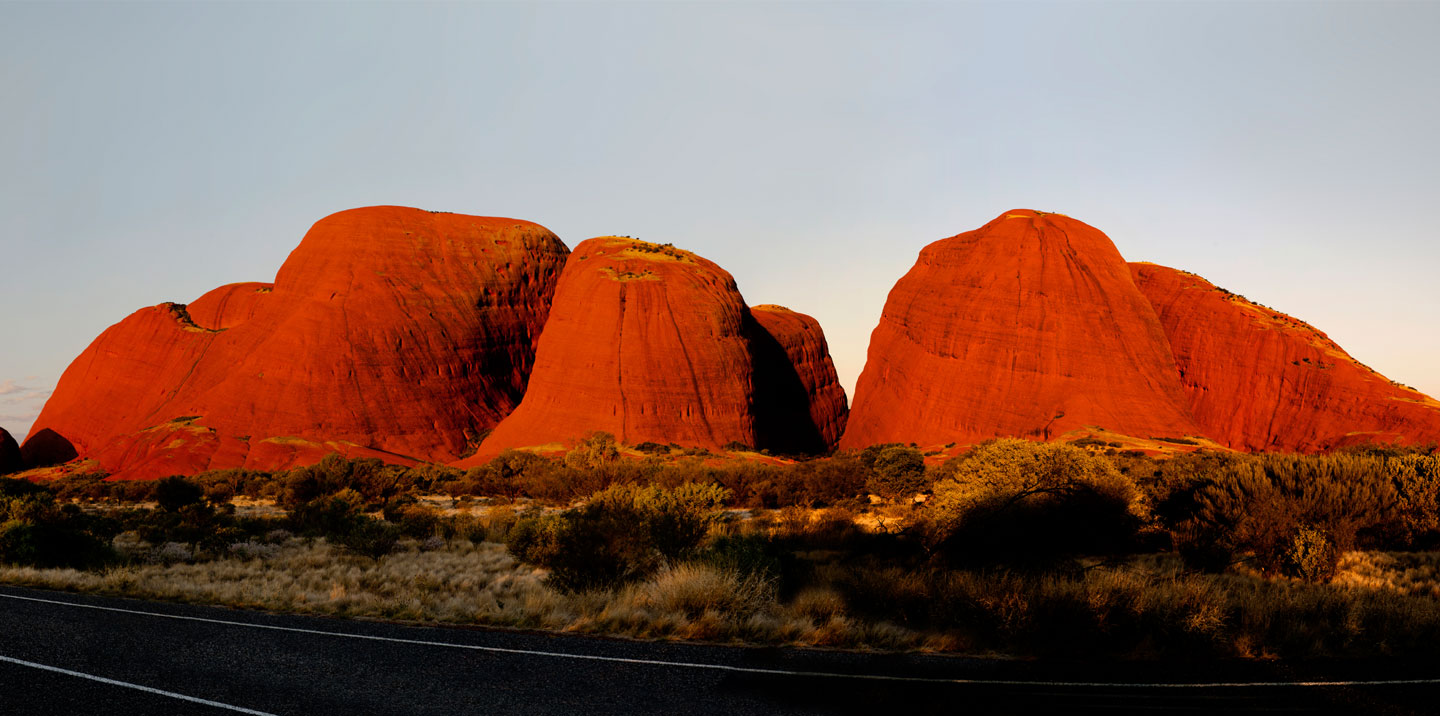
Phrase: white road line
(137, 687)
(747, 669)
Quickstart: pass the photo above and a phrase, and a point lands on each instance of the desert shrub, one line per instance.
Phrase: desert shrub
(414, 520)
(1415, 520)
(36, 532)
(1255, 508)
(745, 554)
(618, 535)
(175, 492)
(1023, 502)
(594, 450)
(374, 481)
(14, 487)
(897, 472)
(506, 475)
(466, 527)
(1092, 441)
(48, 544)
(869, 455)
(224, 485)
(370, 537)
(1310, 555)
(335, 514)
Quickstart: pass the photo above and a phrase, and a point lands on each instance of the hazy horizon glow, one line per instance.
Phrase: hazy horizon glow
(1285, 151)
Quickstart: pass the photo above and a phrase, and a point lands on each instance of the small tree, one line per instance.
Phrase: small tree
(897, 472)
(1018, 501)
(619, 534)
(595, 450)
(175, 493)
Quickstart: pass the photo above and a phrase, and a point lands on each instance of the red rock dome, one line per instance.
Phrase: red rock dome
(646, 342)
(1257, 379)
(228, 306)
(389, 331)
(1029, 326)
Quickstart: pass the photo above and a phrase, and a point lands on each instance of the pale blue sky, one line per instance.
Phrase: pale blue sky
(1287, 151)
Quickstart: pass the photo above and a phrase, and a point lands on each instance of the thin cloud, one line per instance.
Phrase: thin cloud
(20, 404)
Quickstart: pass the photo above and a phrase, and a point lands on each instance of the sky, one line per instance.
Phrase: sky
(1287, 151)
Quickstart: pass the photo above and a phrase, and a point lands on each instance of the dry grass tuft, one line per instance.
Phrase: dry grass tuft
(1382, 603)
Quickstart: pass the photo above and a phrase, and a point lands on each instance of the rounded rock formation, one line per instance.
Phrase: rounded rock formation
(10, 460)
(389, 331)
(228, 306)
(646, 342)
(801, 407)
(1030, 326)
(1258, 379)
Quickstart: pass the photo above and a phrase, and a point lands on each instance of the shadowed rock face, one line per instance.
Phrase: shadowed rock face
(653, 343)
(1257, 379)
(1029, 326)
(9, 454)
(389, 331)
(801, 407)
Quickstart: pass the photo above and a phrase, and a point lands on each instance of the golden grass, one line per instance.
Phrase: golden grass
(1381, 603)
(468, 583)
(1414, 573)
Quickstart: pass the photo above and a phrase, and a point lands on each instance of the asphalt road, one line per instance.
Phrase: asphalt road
(74, 654)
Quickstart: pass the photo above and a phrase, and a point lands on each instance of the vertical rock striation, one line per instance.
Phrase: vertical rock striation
(1029, 326)
(389, 331)
(1257, 379)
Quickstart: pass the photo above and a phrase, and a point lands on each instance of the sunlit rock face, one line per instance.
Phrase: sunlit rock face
(1257, 379)
(1029, 326)
(655, 344)
(389, 332)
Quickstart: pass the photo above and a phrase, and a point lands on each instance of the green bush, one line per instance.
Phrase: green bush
(745, 555)
(335, 514)
(1253, 508)
(374, 481)
(1311, 555)
(35, 532)
(174, 492)
(622, 533)
(32, 544)
(370, 537)
(1019, 502)
(595, 450)
(897, 472)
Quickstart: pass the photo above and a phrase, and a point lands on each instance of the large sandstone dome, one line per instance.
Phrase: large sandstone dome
(389, 331)
(655, 344)
(1029, 326)
(1257, 379)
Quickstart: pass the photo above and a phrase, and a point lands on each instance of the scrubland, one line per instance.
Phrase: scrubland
(1016, 548)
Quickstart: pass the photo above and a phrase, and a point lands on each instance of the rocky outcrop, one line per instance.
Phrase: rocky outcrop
(1029, 326)
(229, 305)
(10, 460)
(801, 407)
(389, 331)
(1257, 379)
(646, 342)
(655, 344)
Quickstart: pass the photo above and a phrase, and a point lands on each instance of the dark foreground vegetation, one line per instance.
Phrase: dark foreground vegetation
(1014, 547)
